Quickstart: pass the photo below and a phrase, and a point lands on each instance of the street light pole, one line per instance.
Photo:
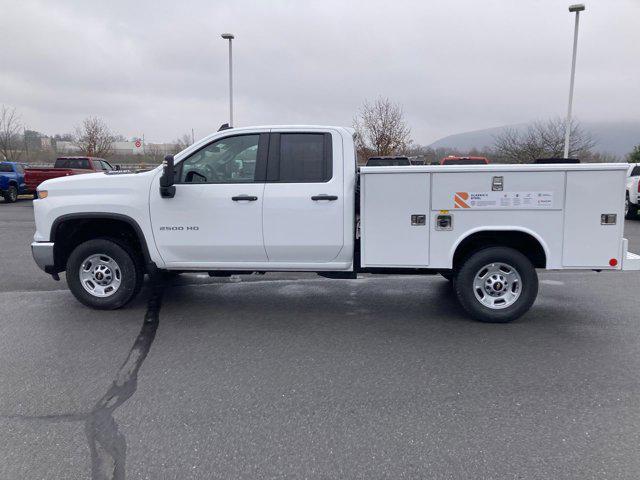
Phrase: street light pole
(230, 37)
(567, 132)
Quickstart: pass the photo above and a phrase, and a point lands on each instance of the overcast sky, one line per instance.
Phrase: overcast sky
(160, 67)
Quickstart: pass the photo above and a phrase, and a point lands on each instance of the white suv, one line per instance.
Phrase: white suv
(632, 202)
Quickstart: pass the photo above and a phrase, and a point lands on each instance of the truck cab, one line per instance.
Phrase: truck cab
(284, 196)
(290, 198)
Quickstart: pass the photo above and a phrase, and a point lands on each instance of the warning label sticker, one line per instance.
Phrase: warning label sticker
(493, 200)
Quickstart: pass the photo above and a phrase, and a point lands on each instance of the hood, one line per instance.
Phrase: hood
(99, 182)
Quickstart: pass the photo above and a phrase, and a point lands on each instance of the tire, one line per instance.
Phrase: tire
(11, 195)
(502, 293)
(630, 210)
(104, 274)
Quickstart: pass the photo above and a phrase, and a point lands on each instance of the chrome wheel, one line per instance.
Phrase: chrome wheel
(497, 285)
(100, 275)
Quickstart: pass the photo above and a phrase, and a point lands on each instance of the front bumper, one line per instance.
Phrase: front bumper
(43, 255)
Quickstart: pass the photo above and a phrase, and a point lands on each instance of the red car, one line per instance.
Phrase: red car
(65, 166)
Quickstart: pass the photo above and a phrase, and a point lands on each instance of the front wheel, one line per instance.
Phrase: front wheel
(497, 285)
(11, 194)
(104, 274)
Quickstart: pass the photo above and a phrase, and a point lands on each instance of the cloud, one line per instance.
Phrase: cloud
(160, 68)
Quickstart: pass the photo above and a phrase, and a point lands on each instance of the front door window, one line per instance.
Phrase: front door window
(230, 160)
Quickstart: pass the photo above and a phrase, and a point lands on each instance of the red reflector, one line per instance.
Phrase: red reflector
(613, 262)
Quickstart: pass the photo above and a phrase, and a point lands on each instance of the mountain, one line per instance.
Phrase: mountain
(617, 138)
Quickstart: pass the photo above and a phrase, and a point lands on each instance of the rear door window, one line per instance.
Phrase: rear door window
(5, 167)
(300, 158)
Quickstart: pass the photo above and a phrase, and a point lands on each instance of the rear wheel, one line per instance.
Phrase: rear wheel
(11, 195)
(104, 274)
(496, 284)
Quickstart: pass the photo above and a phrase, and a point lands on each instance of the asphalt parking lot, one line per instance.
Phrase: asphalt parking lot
(294, 376)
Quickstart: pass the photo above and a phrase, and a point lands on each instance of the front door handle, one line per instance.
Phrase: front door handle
(315, 198)
(244, 198)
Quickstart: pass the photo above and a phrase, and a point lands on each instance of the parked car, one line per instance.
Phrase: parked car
(388, 162)
(632, 199)
(453, 160)
(64, 167)
(12, 181)
(283, 198)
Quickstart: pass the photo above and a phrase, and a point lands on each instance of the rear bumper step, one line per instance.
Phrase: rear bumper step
(631, 262)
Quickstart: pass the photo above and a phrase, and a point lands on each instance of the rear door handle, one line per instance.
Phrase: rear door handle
(315, 198)
(244, 198)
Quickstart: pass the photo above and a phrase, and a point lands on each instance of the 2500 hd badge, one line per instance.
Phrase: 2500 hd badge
(179, 228)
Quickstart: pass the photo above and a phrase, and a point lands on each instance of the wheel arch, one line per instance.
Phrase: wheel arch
(526, 241)
(69, 230)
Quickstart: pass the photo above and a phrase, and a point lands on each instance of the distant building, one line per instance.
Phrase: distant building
(122, 148)
(45, 143)
(63, 146)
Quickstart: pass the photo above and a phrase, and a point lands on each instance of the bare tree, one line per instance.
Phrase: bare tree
(183, 142)
(10, 128)
(94, 138)
(381, 129)
(155, 152)
(634, 156)
(542, 140)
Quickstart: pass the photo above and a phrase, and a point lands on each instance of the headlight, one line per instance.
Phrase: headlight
(43, 194)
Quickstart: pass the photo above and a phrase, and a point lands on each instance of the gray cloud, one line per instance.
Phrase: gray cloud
(160, 68)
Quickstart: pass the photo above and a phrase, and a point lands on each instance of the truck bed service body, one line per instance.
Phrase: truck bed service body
(292, 199)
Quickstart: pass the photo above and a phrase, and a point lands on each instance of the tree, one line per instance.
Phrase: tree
(10, 128)
(542, 140)
(94, 138)
(183, 142)
(155, 152)
(380, 129)
(634, 156)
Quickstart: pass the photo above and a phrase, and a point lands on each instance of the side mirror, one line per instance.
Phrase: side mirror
(167, 187)
(117, 167)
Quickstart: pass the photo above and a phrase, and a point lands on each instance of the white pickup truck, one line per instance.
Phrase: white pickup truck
(291, 198)
(632, 200)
